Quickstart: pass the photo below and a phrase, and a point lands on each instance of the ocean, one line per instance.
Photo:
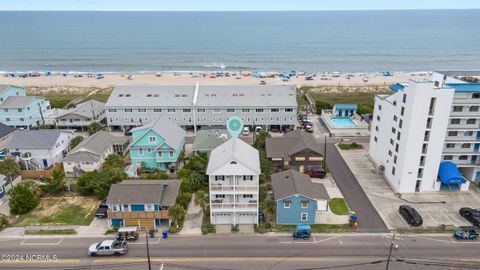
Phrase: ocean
(347, 41)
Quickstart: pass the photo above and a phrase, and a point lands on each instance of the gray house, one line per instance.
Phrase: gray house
(90, 154)
(207, 140)
(6, 133)
(198, 106)
(80, 116)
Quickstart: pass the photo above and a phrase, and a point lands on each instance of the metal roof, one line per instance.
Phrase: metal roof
(234, 150)
(207, 140)
(85, 109)
(14, 102)
(35, 139)
(291, 182)
(92, 147)
(163, 192)
(151, 96)
(166, 128)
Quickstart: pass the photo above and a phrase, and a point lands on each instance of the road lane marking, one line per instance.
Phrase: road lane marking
(220, 259)
(40, 244)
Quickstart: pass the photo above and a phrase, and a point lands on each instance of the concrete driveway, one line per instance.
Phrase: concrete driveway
(193, 220)
(436, 208)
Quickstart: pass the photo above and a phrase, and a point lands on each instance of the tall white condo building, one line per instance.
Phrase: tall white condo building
(426, 135)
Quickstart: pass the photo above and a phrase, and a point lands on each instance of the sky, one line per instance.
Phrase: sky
(229, 5)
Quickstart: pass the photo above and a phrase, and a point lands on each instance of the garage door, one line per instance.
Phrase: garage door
(246, 218)
(222, 218)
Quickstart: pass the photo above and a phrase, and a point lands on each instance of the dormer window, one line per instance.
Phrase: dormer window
(233, 163)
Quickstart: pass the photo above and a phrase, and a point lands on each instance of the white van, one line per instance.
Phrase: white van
(258, 129)
(246, 131)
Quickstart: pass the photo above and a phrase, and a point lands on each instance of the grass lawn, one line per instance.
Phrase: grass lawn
(74, 210)
(440, 229)
(60, 98)
(350, 146)
(66, 231)
(326, 96)
(339, 206)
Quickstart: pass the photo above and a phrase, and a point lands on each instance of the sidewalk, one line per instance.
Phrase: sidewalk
(193, 221)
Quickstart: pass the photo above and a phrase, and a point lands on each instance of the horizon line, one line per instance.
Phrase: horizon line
(260, 10)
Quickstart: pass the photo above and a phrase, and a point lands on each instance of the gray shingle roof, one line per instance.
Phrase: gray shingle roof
(207, 140)
(144, 191)
(251, 96)
(234, 150)
(92, 147)
(6, 130)
(171, 132)
(18, 101)
(163, 96)
(292, 143)
(85, 109)
(291, 182)
(35, 139)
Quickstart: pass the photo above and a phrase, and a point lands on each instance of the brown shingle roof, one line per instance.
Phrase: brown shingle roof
(144, 191)
(291, 182)
(292, 143)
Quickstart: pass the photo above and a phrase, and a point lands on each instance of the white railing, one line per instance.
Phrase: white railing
(230, 206)
(232, 188)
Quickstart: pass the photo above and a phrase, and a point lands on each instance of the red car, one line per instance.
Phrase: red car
(316, 171)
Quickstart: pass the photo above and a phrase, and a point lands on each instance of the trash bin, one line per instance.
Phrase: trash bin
(165, 234)
(151, 233)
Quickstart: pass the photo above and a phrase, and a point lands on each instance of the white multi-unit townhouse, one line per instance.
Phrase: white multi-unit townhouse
(203, 106)
(426, 135)
(233, 171)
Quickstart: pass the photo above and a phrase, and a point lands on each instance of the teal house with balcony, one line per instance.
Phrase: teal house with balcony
(299, 201)
(158, 145)
(19, 110)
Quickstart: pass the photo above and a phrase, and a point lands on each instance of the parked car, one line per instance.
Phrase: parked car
(302, 231)
(246, 131)
(258, 129)
(472, 215)
(315, 171)
(274, 129)
(127, 234)
(108, 248)
(309, 129)
(102, 210)
(410, 215)
(466, 233)
(263, 82)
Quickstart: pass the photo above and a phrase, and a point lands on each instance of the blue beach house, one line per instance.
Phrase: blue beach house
(157, 145)
(345, 110)
(298, 200)
(19, 110)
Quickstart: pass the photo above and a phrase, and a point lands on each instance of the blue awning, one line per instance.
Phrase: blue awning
(346, 106)
(449, 174)
(397, 87)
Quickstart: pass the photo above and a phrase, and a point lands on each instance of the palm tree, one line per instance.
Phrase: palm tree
(176, 213)
(10, 168)
(201, 199)
(268, 206)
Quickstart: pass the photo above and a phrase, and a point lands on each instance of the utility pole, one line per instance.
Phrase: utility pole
(148, 250)
(392, 245)
(325, 153)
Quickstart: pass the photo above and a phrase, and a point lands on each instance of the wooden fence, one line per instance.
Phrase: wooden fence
(33, 174)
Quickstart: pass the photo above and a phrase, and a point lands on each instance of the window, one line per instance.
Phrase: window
(379, 107)
(217, 110)
(127, 110)
(471, 121)
(304, 216)
(7, 119)
(140, 151)
(466, 145)
(258, 110)
(152, 139)
(304, 204)
(19, 109)
(220, 196)
(404, 98)
(473, 109)
(160, 154)
(378, 117)
(201, 110)
(275, 110)
(447, 157)
(457, 108)
(390, 153)
(245, 110)
(463, 157)
(248, 177)
(249, 196)
(299, 158)
(476, 95)
(398, 135)
(142, 110)
(402, 111)
(391, 141)
(22, 119)
(453, 133)
(376, 128)
(171, 110)
(393, 130)
(400, 123)
(395, 159)
(112, 110)
(149, 207)
(455, 121)
(288, 110)
(5, 110)
(187, 110)
(219, 178)
(393, 170)
(375, 139)
(450, 145)
(230, 110)
(395, 118)
(468, 133)
(171, 154)
(396, 147)
(286, 204)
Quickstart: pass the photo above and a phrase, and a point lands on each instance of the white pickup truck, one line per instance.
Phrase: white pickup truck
(108, 248)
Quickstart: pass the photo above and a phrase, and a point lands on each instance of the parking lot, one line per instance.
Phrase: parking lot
(436, 208)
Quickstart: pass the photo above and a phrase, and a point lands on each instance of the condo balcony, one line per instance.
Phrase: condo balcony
(218, 188)
(226, 206)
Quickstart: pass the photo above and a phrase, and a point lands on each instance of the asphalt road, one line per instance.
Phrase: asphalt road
(360, 251)
(368, 218)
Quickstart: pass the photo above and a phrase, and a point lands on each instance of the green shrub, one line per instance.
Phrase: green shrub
(23, 198)
(154, 176)
(184, 199)
(3, 222)
(208, 228)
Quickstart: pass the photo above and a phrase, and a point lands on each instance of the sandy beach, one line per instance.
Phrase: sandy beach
(111, 80)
